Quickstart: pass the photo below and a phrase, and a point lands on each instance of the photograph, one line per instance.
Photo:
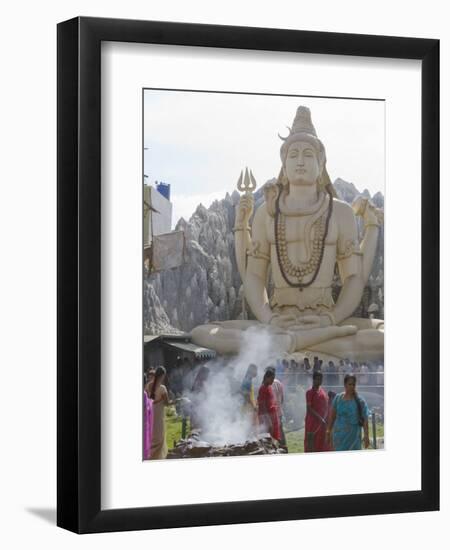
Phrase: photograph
(240, 211)
(263, 274)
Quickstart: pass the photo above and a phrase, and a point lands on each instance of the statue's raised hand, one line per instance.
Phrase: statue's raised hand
(368, 211)
(244, 210)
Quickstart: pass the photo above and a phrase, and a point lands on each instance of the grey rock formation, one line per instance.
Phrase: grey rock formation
(345, 190)
(374, 292)
(208, 286)
(156, 320)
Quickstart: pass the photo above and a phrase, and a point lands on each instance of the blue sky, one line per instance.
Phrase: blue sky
(199, 142)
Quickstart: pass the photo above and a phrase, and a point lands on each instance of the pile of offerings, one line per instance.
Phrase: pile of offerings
(195, 447)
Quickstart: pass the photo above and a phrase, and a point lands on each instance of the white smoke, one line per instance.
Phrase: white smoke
(259, 347)
(219, 405)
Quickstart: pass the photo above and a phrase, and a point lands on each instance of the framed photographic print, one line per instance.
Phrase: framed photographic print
(248, 259)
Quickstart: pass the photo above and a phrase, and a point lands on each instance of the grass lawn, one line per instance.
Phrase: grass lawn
(295, 441)
(379, 430)
(173, 427)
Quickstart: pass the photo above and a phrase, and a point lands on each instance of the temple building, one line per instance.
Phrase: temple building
(157, 211)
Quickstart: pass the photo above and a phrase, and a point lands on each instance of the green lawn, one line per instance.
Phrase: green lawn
(380, 430)
(295, 441)
(173, 427)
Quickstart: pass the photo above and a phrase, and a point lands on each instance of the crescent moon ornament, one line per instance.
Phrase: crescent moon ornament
(285, 138)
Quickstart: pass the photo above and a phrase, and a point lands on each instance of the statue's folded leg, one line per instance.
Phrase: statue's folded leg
(365, 345)
(222, 340)
(229, 336)
(362, 323)
(320, 336)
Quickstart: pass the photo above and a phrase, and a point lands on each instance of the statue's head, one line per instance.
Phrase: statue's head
(302, 153)
(304, 161)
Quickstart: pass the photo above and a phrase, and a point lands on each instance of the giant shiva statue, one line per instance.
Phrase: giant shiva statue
(301, 232)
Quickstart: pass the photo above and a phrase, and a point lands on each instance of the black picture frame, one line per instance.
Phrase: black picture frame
(79, 275)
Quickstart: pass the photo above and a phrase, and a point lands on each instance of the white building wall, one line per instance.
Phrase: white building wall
(157, 223)
(161, 220)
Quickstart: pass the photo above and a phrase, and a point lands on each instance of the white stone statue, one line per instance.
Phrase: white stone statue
(301, 232)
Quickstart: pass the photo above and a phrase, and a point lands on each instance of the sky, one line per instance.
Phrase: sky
(200, 141)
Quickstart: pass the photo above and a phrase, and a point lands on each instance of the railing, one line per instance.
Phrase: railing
(332, 380)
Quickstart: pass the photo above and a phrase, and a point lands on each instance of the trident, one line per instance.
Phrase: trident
(248, 185)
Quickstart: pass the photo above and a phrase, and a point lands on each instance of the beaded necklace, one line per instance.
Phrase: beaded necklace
(302, 270)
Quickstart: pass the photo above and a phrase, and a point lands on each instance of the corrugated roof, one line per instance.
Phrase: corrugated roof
(198, 351)
(150, 337)
(163, 336)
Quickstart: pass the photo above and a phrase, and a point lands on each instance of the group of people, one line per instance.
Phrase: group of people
(332, 422)
(295, 373)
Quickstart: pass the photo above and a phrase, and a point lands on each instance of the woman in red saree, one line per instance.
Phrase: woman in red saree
(316, 417)
(267, 406)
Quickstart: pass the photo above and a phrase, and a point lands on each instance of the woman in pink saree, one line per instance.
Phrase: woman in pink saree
(148, 416)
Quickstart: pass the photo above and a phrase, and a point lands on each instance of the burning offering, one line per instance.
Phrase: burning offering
(195, 447)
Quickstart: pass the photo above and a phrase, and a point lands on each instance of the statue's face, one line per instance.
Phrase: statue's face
(302, 165)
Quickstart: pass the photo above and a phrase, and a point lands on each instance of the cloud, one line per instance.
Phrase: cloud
(200, 141)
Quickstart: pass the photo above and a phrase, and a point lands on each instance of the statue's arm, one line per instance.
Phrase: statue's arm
(370, 240)
(349, 298)
(257, 266)
(242, 235)
(349, 261)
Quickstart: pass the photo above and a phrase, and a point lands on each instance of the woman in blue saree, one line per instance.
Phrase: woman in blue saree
(349, 414)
